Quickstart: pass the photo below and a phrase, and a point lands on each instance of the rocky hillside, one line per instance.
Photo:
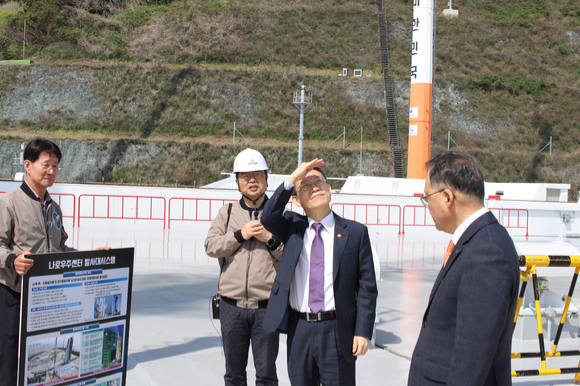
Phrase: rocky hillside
(182, 163)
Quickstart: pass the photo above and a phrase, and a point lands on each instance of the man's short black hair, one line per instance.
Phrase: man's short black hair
(318, 169)
(37, 146)
(457, 171)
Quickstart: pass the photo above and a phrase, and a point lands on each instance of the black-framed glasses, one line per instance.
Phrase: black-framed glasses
(308, 186)
(248, 176)
(425, 199)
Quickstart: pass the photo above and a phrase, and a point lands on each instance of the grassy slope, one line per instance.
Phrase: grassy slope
(518, 65)
(516, 62)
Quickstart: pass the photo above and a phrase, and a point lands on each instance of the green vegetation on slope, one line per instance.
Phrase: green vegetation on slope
(518, 61)
(322, 34)
(187, 163)
(190, 102)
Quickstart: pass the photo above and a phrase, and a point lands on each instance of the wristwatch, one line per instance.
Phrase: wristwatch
(271, 243)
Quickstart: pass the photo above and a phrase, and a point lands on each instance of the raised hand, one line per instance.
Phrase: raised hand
(302, 170)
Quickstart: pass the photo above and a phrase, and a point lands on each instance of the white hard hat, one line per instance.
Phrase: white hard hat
(249, 160)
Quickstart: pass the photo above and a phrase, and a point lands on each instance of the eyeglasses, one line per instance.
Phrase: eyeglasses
(308, 186)
(46, 166)
(425, 199)
(248, 176)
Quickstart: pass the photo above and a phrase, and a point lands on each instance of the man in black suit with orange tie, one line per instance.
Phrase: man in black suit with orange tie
(466, 334)
(324, 295)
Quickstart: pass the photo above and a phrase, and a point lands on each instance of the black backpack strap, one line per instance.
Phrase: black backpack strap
(222, 261)
(229, 213)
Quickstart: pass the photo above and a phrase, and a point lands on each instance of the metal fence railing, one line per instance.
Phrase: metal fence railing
(120, 207)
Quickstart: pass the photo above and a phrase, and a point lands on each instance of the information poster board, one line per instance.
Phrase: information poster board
(74, 323)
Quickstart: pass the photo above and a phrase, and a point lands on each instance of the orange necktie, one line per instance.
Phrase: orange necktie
(448, 252)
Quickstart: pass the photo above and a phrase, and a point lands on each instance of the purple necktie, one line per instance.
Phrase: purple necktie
(316, 283)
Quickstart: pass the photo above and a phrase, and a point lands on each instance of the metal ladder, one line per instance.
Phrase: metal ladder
(389, 94)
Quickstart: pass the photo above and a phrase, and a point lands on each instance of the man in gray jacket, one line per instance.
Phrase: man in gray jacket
(30, 223)
(249, 258)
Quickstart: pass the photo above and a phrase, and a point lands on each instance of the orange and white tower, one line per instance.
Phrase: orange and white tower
(421, 103)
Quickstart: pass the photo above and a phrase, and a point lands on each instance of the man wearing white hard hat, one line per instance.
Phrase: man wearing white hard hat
(249, 258)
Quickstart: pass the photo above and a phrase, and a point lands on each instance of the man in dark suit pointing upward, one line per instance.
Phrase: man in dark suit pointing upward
(325, 292)
(466, 335)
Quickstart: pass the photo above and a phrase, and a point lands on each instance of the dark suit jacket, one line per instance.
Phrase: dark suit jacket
(355, 287)
(467, 328)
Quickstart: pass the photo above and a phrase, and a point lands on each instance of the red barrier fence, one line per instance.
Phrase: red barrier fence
(192, 205)
(60, 199)
(116, 207)
(373, 214)
(416, 220)
(516, 218)
(205, 209)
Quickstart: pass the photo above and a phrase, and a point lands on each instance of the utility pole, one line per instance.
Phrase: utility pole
(302, 101)
(24, 40)
(360, 163)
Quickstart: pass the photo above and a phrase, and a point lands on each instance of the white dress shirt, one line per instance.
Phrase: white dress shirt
(300, 287)
(465, 224)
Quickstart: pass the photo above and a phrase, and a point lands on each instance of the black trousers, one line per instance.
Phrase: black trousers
(9, 325)
(240, 328)
(315, 356)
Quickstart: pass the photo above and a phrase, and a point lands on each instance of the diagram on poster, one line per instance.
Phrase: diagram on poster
(102, 349)
(53, 358)
(72, 353)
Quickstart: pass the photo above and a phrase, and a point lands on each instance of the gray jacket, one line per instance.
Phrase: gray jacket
(24, 228)
(249, 267)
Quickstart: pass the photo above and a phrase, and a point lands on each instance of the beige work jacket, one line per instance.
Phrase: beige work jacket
(24, 228)
(249, 268)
